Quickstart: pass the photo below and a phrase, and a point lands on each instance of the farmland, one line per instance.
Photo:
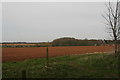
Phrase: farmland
(69, 61)
(20, 54)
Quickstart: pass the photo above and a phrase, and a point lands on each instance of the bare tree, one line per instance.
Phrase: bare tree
(112, 17)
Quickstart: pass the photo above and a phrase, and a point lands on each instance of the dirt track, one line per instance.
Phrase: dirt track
(19, 54)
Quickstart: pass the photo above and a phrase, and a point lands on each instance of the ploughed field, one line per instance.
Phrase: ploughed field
(19, 54)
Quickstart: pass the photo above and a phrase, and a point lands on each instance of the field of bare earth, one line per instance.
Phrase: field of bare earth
(20, 54)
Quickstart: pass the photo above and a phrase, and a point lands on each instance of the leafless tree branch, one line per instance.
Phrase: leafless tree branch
(113, 21)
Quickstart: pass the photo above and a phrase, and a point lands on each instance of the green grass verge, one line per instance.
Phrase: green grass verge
(70, 66)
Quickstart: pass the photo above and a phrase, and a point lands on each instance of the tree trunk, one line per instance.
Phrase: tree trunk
(116, 45)
(116, 50)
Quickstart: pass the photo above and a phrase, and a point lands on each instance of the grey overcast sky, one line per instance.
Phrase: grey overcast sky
(46, 21)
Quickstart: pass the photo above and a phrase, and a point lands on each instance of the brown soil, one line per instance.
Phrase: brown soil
(19, 54)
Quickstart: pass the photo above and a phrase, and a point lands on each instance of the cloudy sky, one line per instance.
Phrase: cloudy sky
(45, 21)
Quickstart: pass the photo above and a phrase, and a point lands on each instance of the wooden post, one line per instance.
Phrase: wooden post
(24, 75)
(47, 56)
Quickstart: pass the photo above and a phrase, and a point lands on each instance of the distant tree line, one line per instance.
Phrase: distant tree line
(75, 42)
(24, 44)
(66, 41)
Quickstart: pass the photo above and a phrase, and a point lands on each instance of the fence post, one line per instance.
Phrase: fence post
(47, 56)
(23, 74)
